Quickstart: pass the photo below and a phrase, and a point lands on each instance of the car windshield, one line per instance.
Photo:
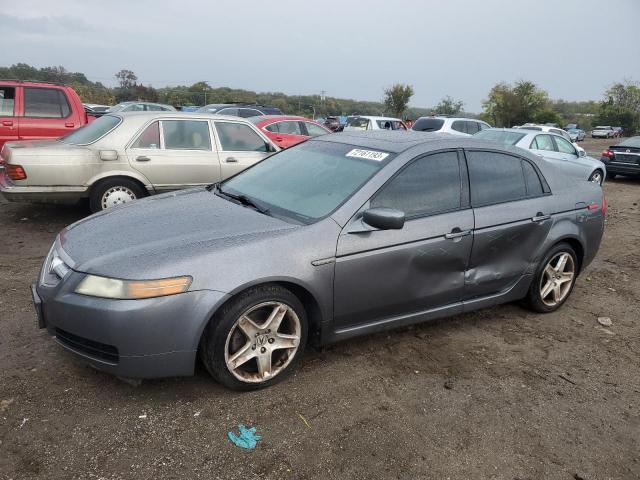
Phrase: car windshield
(358, 122)
(633, 142)
(500, 136)
(93, 131)
(309, 181)
(118, 107)
(428, 124)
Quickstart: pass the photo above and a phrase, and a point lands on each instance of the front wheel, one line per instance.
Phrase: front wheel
(114, 191)
(554, 279)
(597, 177)
(256, 340)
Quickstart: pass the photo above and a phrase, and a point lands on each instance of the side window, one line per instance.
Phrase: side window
(45, 103)
(314, 130)
(186, 135)
(427, 186)
(248, 112)
(543, 142)
(483, 126)
(495, 178)
(236, 137)
(7, 101)
(153, 108)
(228, 111)
(564, 146)
(384, 124)
(472, 127)
(290, 128)
(459, 126)
(150, 138)
(273, 128)
(531, 180)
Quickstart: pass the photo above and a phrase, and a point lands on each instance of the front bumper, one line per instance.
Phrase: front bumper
(149, 338)
(39, 194)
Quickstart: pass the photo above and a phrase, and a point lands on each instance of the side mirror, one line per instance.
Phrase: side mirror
(582, 154)
(270, 147)
(108, 155)
(384, 218)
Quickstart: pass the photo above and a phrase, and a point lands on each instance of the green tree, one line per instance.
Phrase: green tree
(621, 107)
(396, 98)
(448, 106)
(127, 79)
(524, 102)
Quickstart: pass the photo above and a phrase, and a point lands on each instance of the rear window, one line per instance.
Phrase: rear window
(358, 122)
(506, 138)
(93, 131)
(7, 101)
(633, 142)
(428, 124)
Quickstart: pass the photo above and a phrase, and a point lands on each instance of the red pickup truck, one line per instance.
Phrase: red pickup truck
(38, 110)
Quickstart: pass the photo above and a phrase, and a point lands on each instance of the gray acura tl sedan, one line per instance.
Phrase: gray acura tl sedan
(343, 235)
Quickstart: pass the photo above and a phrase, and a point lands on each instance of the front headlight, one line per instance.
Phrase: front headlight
(104, 287)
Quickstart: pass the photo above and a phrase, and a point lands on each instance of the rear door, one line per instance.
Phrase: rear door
(176, 153)
(47, 113)
(240, 146)
(8, 109)
(512, 209)
(386, 273)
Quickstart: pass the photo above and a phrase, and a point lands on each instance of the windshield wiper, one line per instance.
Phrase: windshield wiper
(242, 199)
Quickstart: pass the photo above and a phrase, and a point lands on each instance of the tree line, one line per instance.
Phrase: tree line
(506, 104)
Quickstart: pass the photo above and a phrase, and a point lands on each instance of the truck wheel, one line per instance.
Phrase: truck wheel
(114, 191)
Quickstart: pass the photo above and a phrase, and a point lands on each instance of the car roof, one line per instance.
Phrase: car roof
(179, 115)
(443, 117)
(371, 117)
(397, 141)
(272, 118)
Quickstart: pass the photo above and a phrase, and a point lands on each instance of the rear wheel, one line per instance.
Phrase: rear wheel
(554, 279)
(597, 177)
(256, 340)
(114, 191)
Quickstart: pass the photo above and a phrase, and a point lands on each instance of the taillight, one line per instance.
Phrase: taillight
(15, 172)
(608, 153)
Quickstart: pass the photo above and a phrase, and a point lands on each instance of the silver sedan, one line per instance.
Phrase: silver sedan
(554, 148)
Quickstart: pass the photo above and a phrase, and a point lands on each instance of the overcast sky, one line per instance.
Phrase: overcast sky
(574, 49)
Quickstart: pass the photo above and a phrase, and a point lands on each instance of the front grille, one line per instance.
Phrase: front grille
(97, 350)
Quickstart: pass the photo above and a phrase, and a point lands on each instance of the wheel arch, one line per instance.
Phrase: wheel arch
(139, 179)
(576, 244)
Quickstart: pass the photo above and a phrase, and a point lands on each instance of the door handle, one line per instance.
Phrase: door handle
(142, 158)
(457, 234)
(69, 124)
(232, 160)
(7, 123)
(540, 217)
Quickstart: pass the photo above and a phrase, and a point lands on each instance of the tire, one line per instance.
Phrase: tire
(123, 190)
(242, 325)
(597, 177)
(534, 299)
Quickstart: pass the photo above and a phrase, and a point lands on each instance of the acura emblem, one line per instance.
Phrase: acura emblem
(628, 151)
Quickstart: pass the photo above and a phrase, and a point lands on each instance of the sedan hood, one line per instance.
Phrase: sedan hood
(140, 239)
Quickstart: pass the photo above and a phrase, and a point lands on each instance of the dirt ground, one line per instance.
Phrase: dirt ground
(497, 394)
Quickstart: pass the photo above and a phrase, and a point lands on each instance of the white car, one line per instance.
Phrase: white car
(362, 122)
(553, 148)
(550, 129)
(453, 125)
(603, 132)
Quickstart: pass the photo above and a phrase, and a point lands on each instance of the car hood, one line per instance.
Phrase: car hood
(149, 237)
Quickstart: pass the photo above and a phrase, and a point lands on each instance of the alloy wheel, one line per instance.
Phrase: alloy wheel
(116, 196)
(262, 342)
(557, 279)
(596, 177)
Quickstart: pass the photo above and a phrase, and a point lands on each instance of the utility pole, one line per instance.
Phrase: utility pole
(322, 97)
(205, 95)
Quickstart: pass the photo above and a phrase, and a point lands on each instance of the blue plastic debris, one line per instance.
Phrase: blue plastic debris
(247, 438)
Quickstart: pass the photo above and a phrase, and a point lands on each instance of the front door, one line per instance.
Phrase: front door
(8, 120)
(240, 146)
(382, 274)
(512, 219)
(175, 154)
(570, 155)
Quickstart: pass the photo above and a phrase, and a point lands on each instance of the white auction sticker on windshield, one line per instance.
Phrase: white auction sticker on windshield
(367, 154)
